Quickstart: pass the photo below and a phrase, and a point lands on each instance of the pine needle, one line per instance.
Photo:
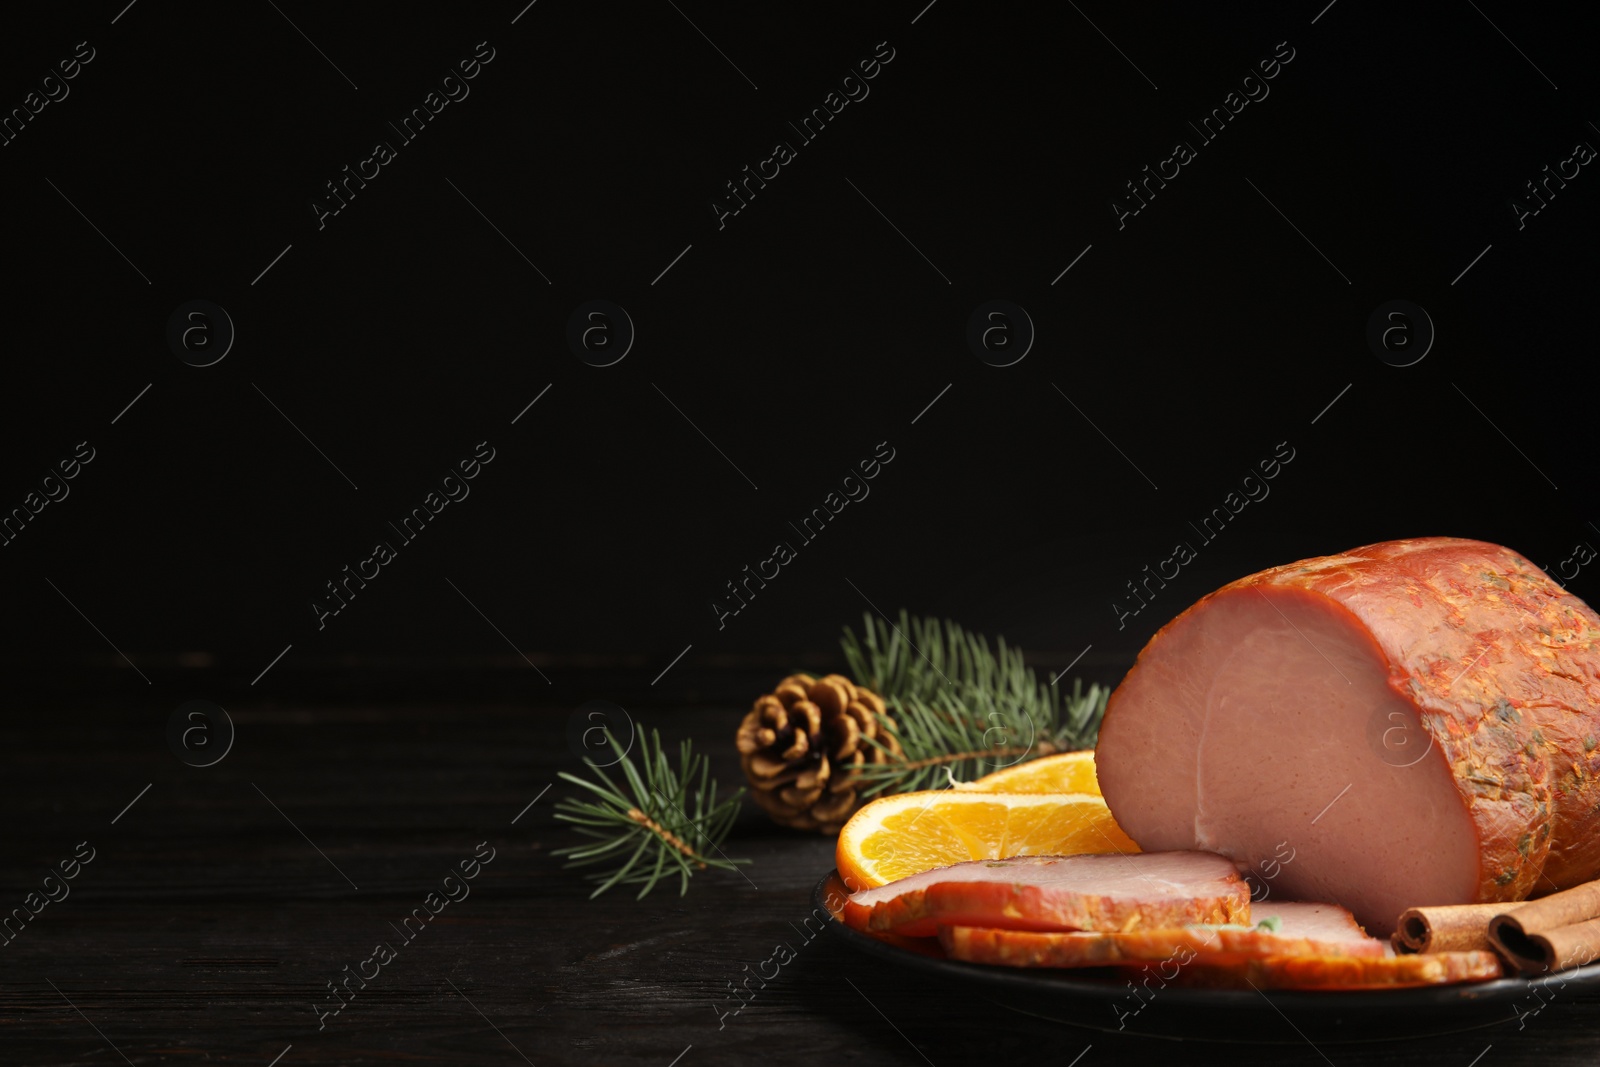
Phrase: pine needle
(962, 708)
(671, 819)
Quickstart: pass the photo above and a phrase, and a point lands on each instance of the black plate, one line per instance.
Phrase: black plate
(1100, 999)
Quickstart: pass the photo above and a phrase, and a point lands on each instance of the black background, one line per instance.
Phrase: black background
(797, 337)
(821, 320)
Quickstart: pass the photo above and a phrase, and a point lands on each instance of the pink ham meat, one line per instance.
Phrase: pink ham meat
(1413, 723)
(1305, 930)
(1085, 892)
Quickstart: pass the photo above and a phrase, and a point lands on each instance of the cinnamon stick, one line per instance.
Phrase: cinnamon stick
(1555, 950)
(1552, 933)
(1445, 928)
(1578, 904)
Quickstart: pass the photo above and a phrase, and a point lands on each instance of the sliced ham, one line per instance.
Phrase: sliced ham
(1084, 892)
(1321, 922)
(1415, 721)
(1344, 972)
(1310, 930)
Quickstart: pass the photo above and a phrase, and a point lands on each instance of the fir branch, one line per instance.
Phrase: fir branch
(665, 821)
(666, 835)
(962, 708)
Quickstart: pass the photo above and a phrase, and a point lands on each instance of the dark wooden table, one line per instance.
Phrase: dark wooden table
(221, 904)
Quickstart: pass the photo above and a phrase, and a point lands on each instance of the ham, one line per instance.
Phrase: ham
(1307, 930)
(1083, 892)
(1413, 722)
(1345, 972)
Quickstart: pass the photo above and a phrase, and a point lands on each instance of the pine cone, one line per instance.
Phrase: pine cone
(802, 745)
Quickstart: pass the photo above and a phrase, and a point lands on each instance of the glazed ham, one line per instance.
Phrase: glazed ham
(1416, 720)
(1084, 892)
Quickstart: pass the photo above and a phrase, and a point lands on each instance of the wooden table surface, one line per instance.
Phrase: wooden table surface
(218, 907)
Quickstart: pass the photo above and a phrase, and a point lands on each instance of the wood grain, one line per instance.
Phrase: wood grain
(206, 927)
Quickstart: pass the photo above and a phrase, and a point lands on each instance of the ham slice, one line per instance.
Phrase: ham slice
(1416, 720)
(1345, 972)
(1084, 892)
(1306, 930)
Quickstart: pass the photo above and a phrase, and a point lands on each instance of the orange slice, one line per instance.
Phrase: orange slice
(1065, 772)
(909, 833)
